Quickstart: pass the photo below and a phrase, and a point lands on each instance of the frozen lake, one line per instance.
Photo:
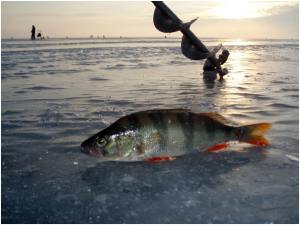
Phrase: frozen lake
(56, 93)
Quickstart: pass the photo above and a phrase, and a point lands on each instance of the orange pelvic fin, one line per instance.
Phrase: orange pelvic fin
(217, 147)
(160, 159)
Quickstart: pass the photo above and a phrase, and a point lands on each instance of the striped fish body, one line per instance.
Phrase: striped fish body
(154, 133)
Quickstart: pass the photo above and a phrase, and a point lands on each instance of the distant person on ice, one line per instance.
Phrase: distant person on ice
(211, 69)
(33, 33)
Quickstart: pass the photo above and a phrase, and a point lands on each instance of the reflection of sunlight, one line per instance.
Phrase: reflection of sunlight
(231, 98)
(237, 68)
(238, 42)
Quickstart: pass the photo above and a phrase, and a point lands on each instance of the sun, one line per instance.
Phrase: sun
(237, 9)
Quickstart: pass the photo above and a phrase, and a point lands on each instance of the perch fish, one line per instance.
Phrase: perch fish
(160, 135)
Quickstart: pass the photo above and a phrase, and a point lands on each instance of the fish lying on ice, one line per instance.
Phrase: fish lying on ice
(159, 135)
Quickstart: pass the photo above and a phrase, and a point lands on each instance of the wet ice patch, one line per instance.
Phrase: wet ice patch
(292, 158)
(41, 88)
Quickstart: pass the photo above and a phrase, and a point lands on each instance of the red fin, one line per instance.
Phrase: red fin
(217, 147)
(160, 159)
(253, 134)
(259, 141)
(257, 129)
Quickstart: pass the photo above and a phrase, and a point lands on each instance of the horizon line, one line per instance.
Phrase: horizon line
(147, 37)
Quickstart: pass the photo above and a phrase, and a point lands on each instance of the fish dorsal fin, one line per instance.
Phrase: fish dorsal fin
(215, 116)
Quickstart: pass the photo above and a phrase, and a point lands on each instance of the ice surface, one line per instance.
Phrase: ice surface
(56, 93)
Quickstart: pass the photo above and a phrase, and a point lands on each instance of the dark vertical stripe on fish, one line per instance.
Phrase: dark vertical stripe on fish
(210, 127)
(186, 123)
(115, 128)
(144, 119)
(228, 130)
(192, 124)
(160, 126)
(125, 123)
(134, 121)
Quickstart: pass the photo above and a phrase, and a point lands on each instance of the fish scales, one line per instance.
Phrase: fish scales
(148, 138)
(173, 127)
(212, 126)
(160, 126)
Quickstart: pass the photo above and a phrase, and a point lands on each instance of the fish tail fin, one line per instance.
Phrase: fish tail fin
(253, 134)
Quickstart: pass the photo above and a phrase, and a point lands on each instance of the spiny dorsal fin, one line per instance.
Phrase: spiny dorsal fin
(215, 116)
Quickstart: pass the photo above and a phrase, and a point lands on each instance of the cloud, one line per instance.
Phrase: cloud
(232, 9)
(281, 8)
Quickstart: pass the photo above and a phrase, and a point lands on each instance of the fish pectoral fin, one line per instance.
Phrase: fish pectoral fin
(155, 136)
(217, 147)
(141, 148)
(160, 159)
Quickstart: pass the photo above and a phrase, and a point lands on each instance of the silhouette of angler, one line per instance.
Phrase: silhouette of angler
(212, 68)
(33, 33)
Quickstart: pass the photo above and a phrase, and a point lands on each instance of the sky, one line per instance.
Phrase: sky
(217, 18)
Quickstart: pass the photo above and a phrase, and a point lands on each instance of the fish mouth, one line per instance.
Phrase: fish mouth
(90, 150)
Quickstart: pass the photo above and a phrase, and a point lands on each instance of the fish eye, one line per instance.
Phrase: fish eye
(101, 142)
